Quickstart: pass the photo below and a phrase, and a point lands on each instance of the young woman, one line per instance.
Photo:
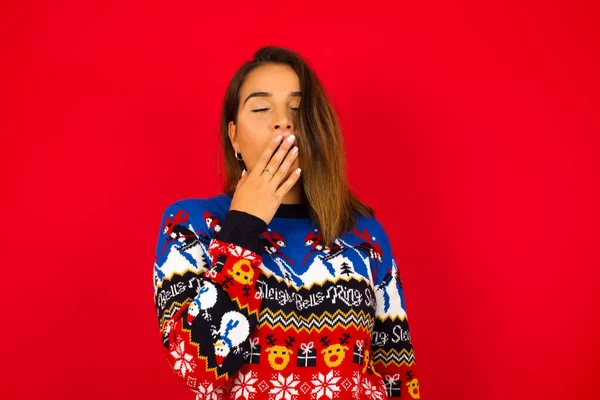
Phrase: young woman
(285, 284)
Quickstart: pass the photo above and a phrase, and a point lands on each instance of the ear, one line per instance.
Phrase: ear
(268, 350)
(231, 132)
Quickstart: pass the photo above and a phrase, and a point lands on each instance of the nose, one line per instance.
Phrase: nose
(284, 128)
(284, 120)
(284, 131)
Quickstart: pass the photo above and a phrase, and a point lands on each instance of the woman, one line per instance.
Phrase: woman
(284, 285)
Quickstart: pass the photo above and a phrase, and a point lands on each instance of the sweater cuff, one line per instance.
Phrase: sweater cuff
(242, 229)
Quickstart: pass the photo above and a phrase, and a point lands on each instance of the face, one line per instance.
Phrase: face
(261, 118)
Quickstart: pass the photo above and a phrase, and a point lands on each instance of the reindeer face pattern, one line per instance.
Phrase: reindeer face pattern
(413, 388)
(242, 272)
(334, 355)
(279, 357)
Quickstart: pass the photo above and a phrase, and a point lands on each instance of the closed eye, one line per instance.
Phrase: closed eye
(265, 109)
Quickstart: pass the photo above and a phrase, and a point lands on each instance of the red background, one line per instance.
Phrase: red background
(471, 127)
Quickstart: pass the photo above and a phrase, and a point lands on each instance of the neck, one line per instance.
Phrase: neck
(294, 196)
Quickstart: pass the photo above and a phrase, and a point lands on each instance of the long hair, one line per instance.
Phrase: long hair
(331, 203)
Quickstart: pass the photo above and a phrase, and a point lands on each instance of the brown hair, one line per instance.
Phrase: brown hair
(321, 153)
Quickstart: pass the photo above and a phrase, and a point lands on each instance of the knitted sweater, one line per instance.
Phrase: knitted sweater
(248, 310)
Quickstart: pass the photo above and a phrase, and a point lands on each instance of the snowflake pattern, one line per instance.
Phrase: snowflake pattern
(357, 380)
(332, 386)
(183, 361)
(371, 391)
(206, 391)
(325, 385)
(284, 388)
(243, 385)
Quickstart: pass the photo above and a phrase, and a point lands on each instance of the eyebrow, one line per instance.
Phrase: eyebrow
(267, 94)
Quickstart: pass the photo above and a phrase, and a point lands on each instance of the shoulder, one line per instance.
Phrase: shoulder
(202, 212)
(375, 239)
(216, 206)
(374, 227)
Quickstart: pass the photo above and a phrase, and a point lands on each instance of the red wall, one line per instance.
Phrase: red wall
(472, 129)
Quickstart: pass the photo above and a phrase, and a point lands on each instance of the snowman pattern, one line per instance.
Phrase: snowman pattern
(233, 331)
(204, 300)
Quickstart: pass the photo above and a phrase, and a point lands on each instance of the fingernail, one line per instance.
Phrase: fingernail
(278, 139)
(243, 172)
(290, 139)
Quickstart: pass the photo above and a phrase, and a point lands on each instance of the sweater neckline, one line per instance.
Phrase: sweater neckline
(292, 211)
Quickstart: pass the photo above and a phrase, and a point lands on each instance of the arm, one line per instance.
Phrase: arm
(393, 355)
(205, 293)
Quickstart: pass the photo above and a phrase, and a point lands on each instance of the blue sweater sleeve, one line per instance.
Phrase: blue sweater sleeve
(393, 355)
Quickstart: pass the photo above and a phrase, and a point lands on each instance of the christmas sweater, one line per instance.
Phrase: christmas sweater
(249, 310)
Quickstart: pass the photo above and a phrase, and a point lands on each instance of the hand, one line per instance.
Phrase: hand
(259, 192)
